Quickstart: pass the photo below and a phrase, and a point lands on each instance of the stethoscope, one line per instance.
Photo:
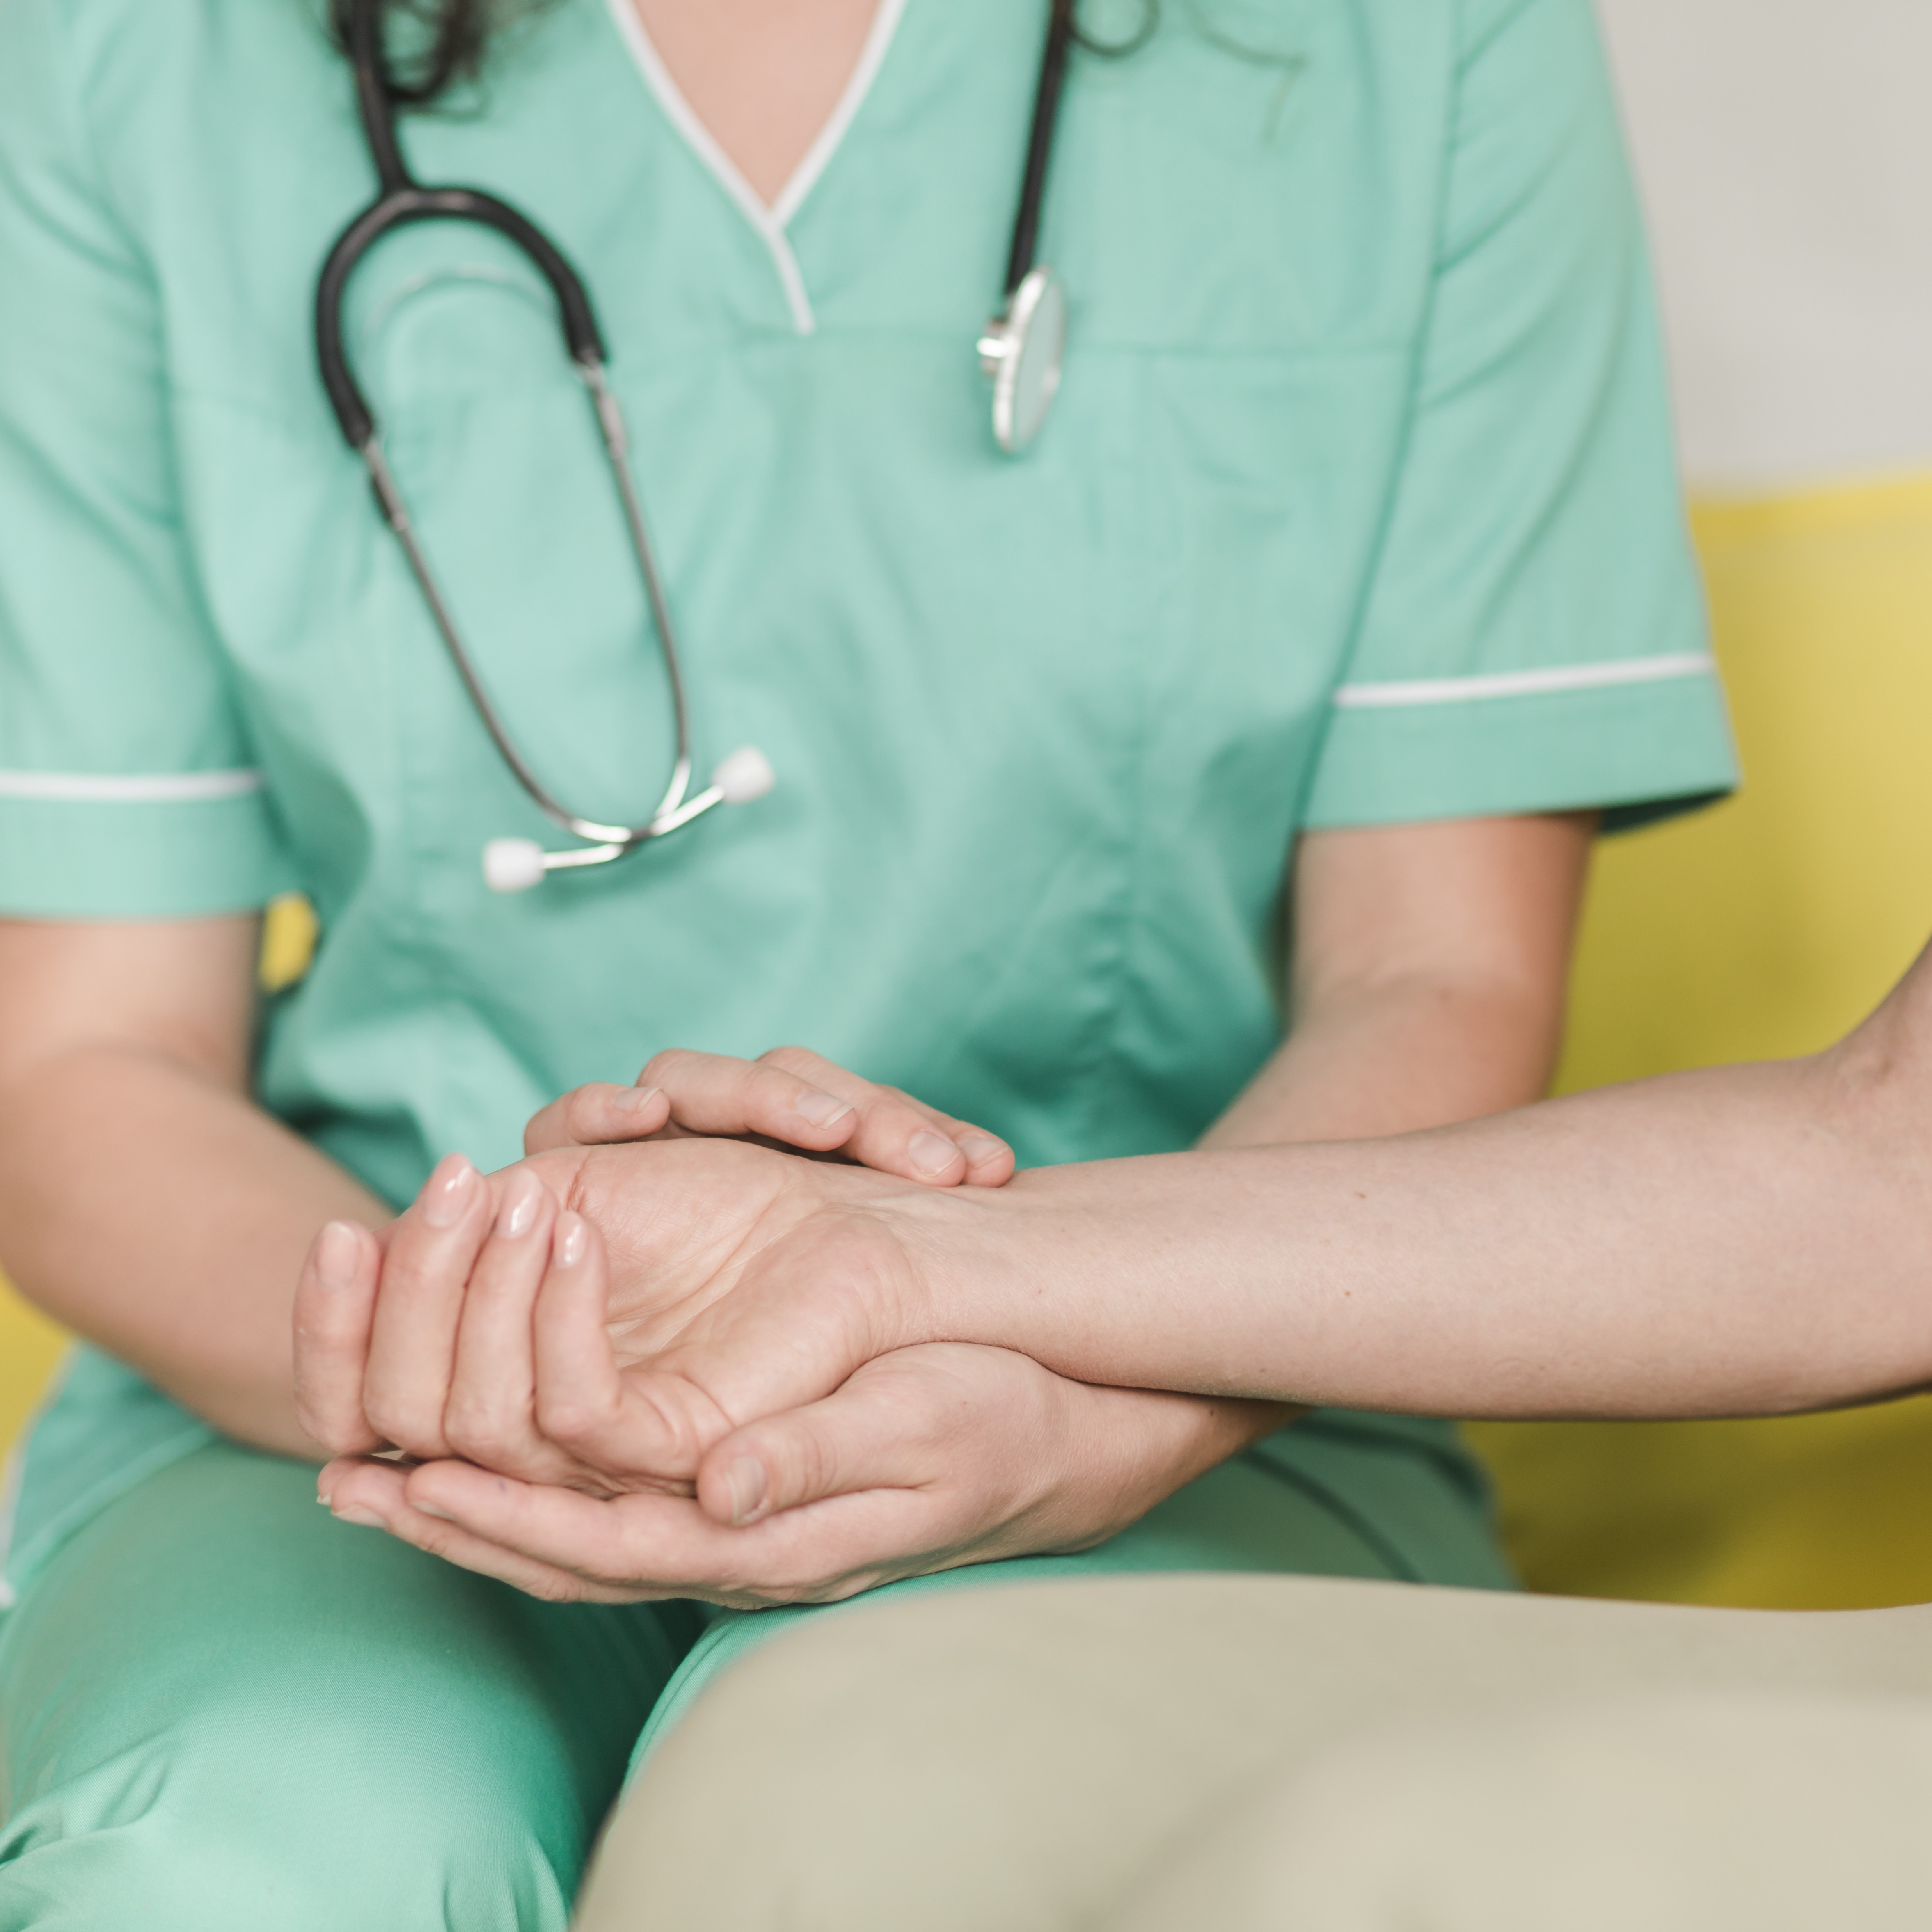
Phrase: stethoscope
(1022, 350)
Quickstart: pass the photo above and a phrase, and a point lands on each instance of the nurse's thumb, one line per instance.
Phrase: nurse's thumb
(830, 1448)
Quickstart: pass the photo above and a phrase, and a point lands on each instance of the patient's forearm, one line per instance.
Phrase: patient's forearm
(1749, 1239)
(166, 1217)
(1384, 1059)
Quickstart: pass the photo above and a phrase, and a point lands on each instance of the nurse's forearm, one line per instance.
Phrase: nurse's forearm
(145, 1201)
(1740, 1241)
(1389, 1060)
(1428, 975)
(167, 1220)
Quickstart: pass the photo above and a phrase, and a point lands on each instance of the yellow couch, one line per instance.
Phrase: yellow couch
(1765, 927)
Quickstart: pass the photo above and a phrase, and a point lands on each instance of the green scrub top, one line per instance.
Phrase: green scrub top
(1356, 506)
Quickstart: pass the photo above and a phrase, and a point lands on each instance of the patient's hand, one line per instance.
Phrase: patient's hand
(494, 1315)
(422, 1338)
(563, 1353)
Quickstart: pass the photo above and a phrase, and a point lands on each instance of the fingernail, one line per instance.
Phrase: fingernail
(747, 1485)
(518, 1214)
(980, 1148)
(429, 1509)
(364, 1519)
(336, 1252)
(932, 1154)
(448, 1193)
(635, 1099)
(572, 1239)
(820, 1108)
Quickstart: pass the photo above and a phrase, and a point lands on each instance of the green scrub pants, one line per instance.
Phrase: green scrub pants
(223, 1711)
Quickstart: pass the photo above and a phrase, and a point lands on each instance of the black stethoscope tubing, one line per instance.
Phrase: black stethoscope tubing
(1023, 253)
(401, 201)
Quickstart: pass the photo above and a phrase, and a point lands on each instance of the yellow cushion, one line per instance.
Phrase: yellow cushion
(1767, 926)
(29, 1344)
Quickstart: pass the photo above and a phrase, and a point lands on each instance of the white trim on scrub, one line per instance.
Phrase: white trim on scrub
(769, 222)
(1522, 683)
(105, 788)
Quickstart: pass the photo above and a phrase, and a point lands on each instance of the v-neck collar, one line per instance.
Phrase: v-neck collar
(769, 222)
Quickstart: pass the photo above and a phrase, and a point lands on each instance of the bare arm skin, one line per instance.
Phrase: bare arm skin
(1742, 1240)
(148, 1203)
(1430, 969)
(145, 1201)
(1430, 981)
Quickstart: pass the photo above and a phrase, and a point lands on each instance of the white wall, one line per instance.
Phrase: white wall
(1785, 151)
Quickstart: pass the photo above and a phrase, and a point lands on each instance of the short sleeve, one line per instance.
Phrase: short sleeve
(127, 788)
(1533, 637)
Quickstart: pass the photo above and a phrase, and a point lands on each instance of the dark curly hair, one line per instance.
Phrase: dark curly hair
(448, 39)
(432, 45)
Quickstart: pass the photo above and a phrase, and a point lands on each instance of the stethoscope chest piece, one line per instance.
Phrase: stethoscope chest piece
(1022, 352)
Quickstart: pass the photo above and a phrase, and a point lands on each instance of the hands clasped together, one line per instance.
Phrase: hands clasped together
(655, 1358)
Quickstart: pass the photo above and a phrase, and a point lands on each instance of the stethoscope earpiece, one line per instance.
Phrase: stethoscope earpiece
(516, 864)
(512, 865)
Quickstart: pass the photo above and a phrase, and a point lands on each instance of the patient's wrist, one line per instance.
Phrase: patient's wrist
(996, 1266)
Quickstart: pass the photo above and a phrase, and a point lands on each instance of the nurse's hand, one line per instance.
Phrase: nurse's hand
(927, 1458)
(788, 1097)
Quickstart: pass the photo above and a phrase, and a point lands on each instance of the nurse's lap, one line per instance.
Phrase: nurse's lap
(221, 1709)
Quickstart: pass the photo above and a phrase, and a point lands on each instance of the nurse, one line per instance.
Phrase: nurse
(1348, 577)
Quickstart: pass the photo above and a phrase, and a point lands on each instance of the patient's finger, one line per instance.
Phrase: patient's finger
(490, 1416)
(626, 1425)
(598, 1115)
(419, 1304)
(335, 1305)
(868, 1435)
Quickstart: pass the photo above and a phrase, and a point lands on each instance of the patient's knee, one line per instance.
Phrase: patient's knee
(1676, 1812)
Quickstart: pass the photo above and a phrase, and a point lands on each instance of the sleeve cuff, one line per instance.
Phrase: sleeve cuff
(1639, 741)
(177, 849)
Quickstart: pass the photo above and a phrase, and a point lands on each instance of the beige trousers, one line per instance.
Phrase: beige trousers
(1173, 1754)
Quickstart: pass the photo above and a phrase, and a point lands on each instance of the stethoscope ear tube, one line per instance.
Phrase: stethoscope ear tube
(401, 201)
(1052, 84)
(400, 207)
